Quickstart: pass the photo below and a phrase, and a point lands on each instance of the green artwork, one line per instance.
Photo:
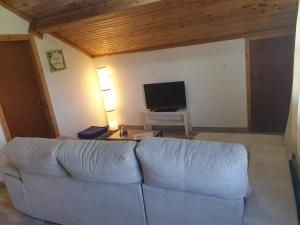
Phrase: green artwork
(56, 60)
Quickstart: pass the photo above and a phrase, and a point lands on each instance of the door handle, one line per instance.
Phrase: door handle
(255, 75)
(43, 103)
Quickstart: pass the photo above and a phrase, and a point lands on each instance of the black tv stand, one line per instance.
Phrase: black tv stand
(164, 110)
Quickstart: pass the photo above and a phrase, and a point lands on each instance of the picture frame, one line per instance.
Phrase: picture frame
(56, 60)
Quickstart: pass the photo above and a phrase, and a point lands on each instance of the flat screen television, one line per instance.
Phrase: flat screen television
(165, 96)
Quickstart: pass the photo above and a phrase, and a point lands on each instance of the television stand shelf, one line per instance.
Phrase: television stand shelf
(179, 118)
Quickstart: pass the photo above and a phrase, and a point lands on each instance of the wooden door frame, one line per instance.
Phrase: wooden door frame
(248, 69)
(4, 125)
(41, 82)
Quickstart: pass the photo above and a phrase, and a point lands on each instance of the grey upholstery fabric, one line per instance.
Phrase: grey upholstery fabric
(9, 169)
(43, 194)
(35, 155)
(167, 207)
(17, 193)
(67, 201)
(100, 161)
(209, 168)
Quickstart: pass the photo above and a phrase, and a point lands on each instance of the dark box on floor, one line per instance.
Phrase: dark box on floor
(92, 132)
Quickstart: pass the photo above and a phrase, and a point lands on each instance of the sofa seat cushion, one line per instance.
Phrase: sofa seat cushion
(100, 161)
(215, 169)
(35, 155)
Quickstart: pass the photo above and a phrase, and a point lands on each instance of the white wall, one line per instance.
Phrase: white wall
(214, 74)
(12, 24)
(292, 135)
(2, 138)
(2, 142)
(2, 156)
(74, 91)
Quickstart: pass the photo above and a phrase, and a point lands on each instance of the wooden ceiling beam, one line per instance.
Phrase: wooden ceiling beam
(87, 15)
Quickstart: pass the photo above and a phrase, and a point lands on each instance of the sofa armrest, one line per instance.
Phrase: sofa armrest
(9, 169)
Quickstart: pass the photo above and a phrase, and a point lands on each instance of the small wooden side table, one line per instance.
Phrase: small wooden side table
(182, 118)
(130, 135)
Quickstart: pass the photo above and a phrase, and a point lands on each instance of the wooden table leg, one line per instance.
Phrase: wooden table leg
(186, 124)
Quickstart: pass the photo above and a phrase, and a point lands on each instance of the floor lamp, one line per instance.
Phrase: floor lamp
(108, 97)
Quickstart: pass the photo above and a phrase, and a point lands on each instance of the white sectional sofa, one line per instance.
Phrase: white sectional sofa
(159, 181)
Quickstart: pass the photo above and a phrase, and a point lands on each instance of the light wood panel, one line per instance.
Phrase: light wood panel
(4, 126)
(71, 44)
(98, 10)
(51, 15)
(14, 37)
(37, 9)
(176, 23)
(104, 27)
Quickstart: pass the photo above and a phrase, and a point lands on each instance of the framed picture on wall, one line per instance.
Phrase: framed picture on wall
(56, 60)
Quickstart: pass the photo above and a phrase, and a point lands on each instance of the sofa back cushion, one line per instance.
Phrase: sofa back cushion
(100, 161)
(209, 168)
(35, 155)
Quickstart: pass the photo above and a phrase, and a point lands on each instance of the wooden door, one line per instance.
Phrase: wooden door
(271, 66)
(21, 94)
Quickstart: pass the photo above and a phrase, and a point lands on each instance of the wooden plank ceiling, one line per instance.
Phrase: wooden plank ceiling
(103, 27)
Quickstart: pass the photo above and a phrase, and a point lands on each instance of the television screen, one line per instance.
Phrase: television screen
(169, 95)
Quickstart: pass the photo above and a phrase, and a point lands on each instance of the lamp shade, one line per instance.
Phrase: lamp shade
(109, 100)
(113, 125)
(112, 120)
(104, 79)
